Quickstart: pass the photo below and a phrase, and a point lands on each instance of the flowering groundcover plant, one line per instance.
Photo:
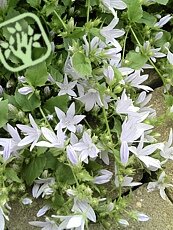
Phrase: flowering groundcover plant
(78, 125)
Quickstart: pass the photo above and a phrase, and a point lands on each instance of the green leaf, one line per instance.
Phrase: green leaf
(18, 27)
(148, 19)
(4, 45)
(34, 169)
(58, 201)
(163, 2)
(134, 10)
(27, 104)
(135, 60)
(11, 30)
(7, 53)
(82, 64)
(36, 44)
(12, 175)
(3, 113)
(169, 100)
(58, 101)
(37, 75)
(57, 76)
(51, 161)
(34, 3)
(64, 174)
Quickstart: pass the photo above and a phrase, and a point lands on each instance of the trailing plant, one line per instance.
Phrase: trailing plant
(76, 128)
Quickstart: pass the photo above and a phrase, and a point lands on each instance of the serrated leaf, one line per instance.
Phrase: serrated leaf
(11, 30)
(148, 19)
(4, 45)
(55, 73)
(27, 104)
(7, 53)
(34, 3)
(37, 75)
(11, 40)
(51, 161)
(12, 175)
(58, 101)
(134, 10)
(30, 31)
(3, 113)
(36, 45)
(82, 64)
(64, 174)
(36, 37)
(163, 2)
(18, 27)
(135, 60)
(34, 169)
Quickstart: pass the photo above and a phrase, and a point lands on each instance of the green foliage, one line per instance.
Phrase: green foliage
(12, 175)
(51, 161)
(169, 100)
(134, 6)
(73, 27)
(34, 3)
(27, 104)
(34, 169)
(3, 113)
(58, 101)
(37, 75)
(147, 19)
(135, 60)
(64, 174)
(55, 73)
(82, 64)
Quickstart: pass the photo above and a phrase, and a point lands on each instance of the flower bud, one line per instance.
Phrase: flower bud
(71, 11)
(25, 90)
(12, 109)
(20, 115)
(10, 83)
(118, 89)
(1, 90)
(47, 91)
(71, 25)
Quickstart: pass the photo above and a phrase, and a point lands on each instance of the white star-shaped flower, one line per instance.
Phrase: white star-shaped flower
(124, 105)
(53, 140)
(68, 120)
(91, 99)
(160, 184)
(66, 87)
(32, 133)
(86, 147)
(110, 34)
(142, 153)
(114, 4)
(46, 225)
(10, 144)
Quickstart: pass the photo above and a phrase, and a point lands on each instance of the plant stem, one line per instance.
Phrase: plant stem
(107, 124)
(136, 37)
(63, 24)
(151, 62)
(88, 9)
(47, 122)
(124, 46)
